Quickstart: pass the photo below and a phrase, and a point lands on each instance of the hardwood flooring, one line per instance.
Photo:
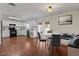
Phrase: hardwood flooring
(23, 46)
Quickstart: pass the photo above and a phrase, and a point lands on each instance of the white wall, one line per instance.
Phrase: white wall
(18, 23)
(33, 27)
(43, 20)
(53, 24)
(73, 28)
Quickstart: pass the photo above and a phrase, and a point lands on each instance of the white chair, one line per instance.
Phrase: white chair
(42, 38)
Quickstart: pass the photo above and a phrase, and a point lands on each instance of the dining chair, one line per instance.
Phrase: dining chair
(55, 43)
(42, 38)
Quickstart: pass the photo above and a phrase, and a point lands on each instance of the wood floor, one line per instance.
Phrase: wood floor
(23, 46)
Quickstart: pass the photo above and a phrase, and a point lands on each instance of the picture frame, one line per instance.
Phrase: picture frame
(65, 20)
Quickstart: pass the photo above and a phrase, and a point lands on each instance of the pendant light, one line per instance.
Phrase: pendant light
(50, 9)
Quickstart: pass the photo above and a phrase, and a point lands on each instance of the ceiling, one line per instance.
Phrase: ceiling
(27, 11)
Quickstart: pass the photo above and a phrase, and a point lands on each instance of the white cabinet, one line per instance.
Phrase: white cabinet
(21, 30)
(5, 33)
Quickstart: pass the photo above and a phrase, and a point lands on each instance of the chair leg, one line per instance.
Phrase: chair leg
(50, 50)
(38, 44)
(59, 51)
(46, 44)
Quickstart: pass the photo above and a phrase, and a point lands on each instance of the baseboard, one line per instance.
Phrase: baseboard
(16, 36)
(5, 37)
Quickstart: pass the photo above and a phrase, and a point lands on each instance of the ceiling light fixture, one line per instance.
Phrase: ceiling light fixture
(12, 4)
(14, 18)
(50, 9)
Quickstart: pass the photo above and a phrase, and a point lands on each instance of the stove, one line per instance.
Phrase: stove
(13, 33)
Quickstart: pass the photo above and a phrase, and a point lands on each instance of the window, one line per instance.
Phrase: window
(47, 27)
(40, 27)
(44, 28)
(28, 26)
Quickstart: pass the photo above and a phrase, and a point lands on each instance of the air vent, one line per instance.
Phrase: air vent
(12, 4)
